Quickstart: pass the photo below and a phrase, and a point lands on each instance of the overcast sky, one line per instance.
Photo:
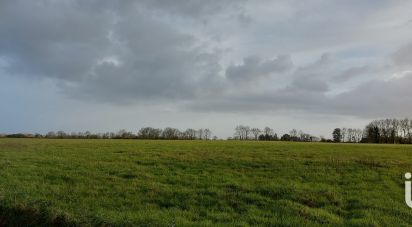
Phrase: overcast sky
(104, 65)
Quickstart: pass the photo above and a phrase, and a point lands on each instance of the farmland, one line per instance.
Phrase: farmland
(184, 183)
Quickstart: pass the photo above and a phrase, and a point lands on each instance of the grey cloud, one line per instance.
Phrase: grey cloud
(126, 52)
(118, 53)
(254, 68)
(289, 98)
(304, 92)
(309, 85)
(314, 76)
(377, 99)
(351, 73)
(144, 80)
(37, 39)
(308, 92)
(193, 8)
(403, 56)
(325, 60)
(244, 19)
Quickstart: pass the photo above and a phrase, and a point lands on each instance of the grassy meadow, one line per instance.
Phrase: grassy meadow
(201, 183)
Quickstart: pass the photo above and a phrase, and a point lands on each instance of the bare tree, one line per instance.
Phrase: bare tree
(61, 134)
(344, 133)
(255, 132)
(293, 133)
(301, 135)
(149, 133)
(246, 132)
(51, 135)
(350, 134)
(404, 128)
(268, 131)
(238, 132)
(189, 134)
(242, 132)
(170, 133)
(106, 135)
(387, 128)
(358, 135)
(409, 132)
(200, 133)
(207, 134)
(394, 130)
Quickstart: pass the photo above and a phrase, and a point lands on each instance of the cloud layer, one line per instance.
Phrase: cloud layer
(320, 57)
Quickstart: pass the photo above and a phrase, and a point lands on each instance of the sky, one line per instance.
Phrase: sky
(103, 65)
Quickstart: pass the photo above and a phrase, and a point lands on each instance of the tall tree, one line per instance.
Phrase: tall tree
(337, 135)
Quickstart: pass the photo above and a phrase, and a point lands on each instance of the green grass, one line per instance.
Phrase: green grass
(202, 183)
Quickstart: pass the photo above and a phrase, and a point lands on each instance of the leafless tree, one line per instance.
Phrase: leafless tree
(149, 133)
(247, 132)
(350, 135)
(189, 134)
(207, 134)
(242, 132)
(170, 133)
(238, 132)
(344, 133)
(404, 127)
(394, 130)
(200, 133)
(293, 133)
(256, 132)
(268, 131)
(358, 135)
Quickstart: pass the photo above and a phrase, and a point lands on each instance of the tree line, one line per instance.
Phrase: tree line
(349, 135)
(390, 130)
(244, 132)
(144, 133)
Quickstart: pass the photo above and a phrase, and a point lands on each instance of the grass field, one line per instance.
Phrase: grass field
(201, 183)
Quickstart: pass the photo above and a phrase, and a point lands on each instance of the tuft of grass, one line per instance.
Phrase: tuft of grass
(201, 183)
